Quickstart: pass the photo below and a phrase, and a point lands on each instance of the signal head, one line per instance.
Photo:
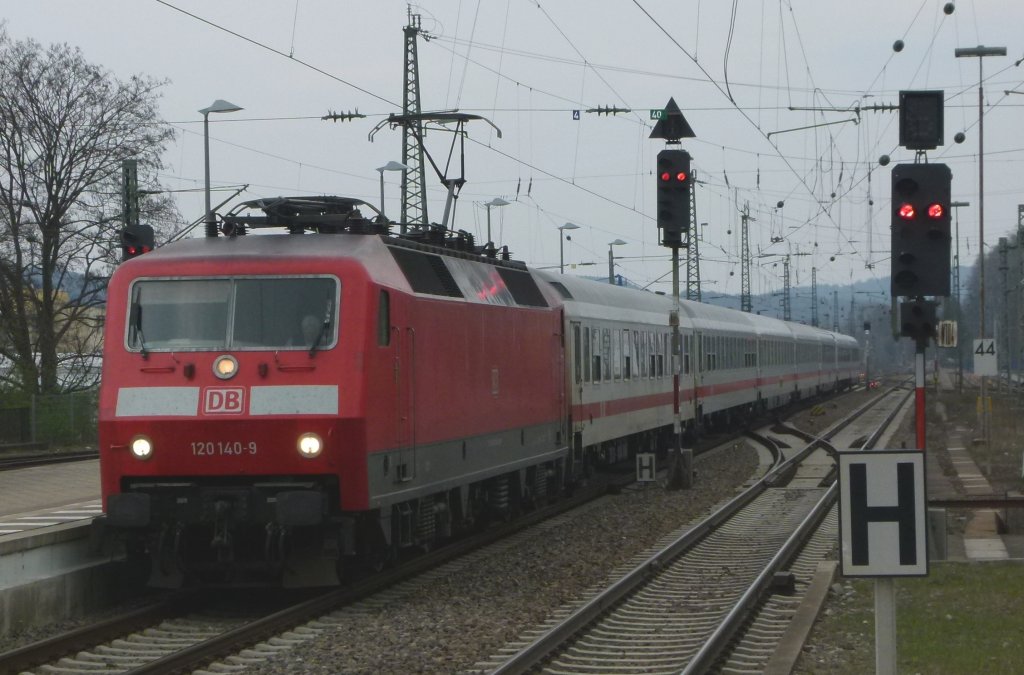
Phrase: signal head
(921, 238)
(136, 240)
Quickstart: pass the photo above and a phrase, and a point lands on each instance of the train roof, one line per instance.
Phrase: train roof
(595, 299)
(387, 261)
(713, 317)
(390, 261)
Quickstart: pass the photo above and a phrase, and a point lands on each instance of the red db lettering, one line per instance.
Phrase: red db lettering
(224, 401)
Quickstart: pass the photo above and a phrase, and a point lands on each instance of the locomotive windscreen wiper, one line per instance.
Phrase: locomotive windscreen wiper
(135, 321)
(324, 327)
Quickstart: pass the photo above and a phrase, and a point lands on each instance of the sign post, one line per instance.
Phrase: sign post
(882, 531)
(986, 361)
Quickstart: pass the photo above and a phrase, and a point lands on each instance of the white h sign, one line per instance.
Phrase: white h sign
(882, 512)
(645, 468)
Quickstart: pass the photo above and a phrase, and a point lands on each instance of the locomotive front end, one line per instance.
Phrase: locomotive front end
(222, 426)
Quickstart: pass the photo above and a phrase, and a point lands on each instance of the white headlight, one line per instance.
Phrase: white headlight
(310, 445)
(142, 447)
(225, 367)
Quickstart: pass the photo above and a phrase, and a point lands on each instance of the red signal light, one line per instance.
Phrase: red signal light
(906, 211)
(935, 211)
(132, 250)
(666, 176)
(681, 176)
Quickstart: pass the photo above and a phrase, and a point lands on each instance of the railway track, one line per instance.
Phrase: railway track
(36, 458)
(194, 635)
(189, 631)
(683, 606)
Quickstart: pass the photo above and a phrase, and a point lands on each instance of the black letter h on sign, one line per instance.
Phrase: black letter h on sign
(903, 513)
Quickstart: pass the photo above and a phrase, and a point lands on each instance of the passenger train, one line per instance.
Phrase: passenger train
(285, 408)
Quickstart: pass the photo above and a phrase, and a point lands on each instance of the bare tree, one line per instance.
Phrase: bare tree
(65, 128)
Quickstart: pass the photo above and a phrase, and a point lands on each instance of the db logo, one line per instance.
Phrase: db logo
(224, 401)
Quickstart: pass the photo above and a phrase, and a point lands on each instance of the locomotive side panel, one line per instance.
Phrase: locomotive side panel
(478, 393)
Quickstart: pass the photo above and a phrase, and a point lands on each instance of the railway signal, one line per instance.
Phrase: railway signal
(921, 123)
(917, 320)
(136, 240)
(921, 238)
(673, 196)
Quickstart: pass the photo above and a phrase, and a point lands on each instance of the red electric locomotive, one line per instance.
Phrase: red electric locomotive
(276, 406)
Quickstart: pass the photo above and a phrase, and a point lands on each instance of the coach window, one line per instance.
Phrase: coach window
(616, 354)
(627, 353)
(636, 353)
(576, 369)
(586, 354)
(641, 359)
(384, 320)
(652, 372)
(606, 354)
(652, 356)
(664, 342)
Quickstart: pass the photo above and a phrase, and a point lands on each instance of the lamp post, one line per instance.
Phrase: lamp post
(561, 244)
(390, 166)
(611, 259)
(218, 106)
(497, 201)
(956, 206)
(981, 52)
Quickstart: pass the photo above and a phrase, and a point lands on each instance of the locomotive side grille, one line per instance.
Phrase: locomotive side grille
(426, 273)
(523, 287)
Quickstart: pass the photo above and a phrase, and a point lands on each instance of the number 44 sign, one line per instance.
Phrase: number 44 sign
(985, 362)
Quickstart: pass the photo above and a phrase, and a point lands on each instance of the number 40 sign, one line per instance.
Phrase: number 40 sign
(985, 362)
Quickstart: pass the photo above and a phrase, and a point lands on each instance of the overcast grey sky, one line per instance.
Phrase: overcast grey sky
(736, 69)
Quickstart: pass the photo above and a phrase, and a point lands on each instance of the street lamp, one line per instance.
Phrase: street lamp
(561, 244)
(611, 264)
(390, 166)
(956, 206)
(218, 106)
(981, 52)
(497, 201)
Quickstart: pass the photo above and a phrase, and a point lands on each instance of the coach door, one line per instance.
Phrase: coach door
(405, 427)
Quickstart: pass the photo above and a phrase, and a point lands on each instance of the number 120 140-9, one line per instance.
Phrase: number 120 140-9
(226, 448)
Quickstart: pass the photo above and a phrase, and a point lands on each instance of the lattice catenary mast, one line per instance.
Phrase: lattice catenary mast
(414, 195)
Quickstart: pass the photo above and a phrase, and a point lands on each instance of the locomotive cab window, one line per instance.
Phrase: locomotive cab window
(252, 313)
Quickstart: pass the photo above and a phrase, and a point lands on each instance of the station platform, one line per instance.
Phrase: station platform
(43, 496)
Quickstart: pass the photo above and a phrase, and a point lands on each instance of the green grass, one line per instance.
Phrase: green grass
(961, 618)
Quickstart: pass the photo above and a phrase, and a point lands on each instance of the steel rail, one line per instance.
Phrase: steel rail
(528, 657)
(715, 646)
(229, 642)
(25, 461)
(50, 649)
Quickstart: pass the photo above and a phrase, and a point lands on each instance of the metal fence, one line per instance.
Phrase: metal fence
(57, 419)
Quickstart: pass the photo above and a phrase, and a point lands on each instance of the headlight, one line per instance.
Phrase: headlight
(225, 367)
(310, 445)
(142, 447)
